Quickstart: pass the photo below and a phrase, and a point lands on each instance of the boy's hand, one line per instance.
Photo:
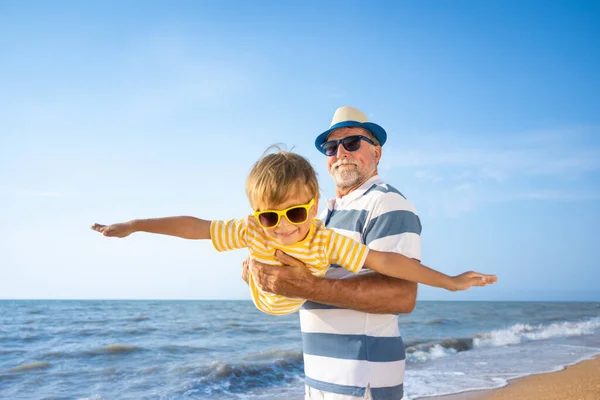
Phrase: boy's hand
(468, 279)
(115, 230)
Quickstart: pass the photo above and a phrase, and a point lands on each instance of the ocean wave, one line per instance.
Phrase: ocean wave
(31, 366)
(99, 322)
(33, 338)
(138, 318)
(183, 349)
(199, 329)
(519, 333)
(252, 330)
(275, 354)
(111, 349)
(443, 348)
(98, 332)
(226, 378)
(12, 351)
(115, 349)
(418, 351)
(408, 342)
(139, 331)
(56, 354)
(439, 321)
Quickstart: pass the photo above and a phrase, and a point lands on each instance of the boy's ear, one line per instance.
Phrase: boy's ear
(315, 208)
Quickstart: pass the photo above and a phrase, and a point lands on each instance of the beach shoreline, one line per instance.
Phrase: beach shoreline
(580, 381)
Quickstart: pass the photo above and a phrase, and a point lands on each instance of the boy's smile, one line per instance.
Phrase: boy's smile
(284, 234)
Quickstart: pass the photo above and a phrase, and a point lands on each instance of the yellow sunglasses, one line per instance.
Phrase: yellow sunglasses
(295, 215)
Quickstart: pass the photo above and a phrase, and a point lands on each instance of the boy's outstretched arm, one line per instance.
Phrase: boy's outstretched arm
(398, 266)
(183, 227)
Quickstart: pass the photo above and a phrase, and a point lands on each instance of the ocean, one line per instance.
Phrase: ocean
(228, 350)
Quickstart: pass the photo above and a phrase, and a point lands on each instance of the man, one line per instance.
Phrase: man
(351, 340)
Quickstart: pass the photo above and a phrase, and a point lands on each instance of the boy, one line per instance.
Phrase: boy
(283, 190)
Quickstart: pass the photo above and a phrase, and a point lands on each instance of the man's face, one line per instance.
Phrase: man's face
(350, 169)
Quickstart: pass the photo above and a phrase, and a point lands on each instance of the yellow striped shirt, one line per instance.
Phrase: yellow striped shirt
(318, 250)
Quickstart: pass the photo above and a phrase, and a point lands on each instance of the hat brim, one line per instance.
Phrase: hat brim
(375, 129)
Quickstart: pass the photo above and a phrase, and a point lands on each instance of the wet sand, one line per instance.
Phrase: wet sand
(577, 382)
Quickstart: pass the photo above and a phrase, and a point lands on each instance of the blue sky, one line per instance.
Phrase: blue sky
(117, 110)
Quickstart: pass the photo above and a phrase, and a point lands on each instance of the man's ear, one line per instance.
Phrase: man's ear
(377, 153)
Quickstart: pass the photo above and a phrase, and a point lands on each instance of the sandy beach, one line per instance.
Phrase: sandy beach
(577, 382)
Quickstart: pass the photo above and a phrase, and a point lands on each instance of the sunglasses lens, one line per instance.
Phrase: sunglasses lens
(297, 215)
(268, 219)
(330, 148)
(352, 143)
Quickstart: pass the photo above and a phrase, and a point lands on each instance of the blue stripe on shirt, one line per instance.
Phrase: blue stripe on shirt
(311, 305)
(383, 393)
(383, 189)
(354, 347)
(334, 388)
(392, 223)
(350, 220)
(388, 393)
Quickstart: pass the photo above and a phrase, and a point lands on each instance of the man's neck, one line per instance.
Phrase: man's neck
(341, 192)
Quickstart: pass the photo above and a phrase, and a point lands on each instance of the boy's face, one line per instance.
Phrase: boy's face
(286, 233)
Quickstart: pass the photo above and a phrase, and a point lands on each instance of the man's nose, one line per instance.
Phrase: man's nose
(341, 151)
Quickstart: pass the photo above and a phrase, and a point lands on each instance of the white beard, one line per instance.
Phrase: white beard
(345, 177)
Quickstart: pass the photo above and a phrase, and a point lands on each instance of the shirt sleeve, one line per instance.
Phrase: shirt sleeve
(229, 235)
(346, 252)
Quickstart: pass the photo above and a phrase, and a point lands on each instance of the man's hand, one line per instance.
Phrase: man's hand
(115, 230)
(373, 293)
(245, 268)
(292, 279)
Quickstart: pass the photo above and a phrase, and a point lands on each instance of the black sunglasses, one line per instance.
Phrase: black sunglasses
(350, 143)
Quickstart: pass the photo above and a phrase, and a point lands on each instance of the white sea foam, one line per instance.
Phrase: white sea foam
(515, 334)
(519, 333)
(432, 353)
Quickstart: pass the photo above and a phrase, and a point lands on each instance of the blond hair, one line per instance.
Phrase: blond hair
(277, 176)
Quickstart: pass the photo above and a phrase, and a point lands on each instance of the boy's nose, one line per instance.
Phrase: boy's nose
(284, 222)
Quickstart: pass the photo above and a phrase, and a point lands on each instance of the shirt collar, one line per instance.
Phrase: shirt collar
(355, 194)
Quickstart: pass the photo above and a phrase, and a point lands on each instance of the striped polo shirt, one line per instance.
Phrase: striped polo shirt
(347, 351)
(318, 250)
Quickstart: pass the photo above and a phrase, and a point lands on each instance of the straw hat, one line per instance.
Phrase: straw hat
(350, 116)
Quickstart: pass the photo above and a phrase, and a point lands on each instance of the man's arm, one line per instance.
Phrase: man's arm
(393, 296)
(371, 293)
